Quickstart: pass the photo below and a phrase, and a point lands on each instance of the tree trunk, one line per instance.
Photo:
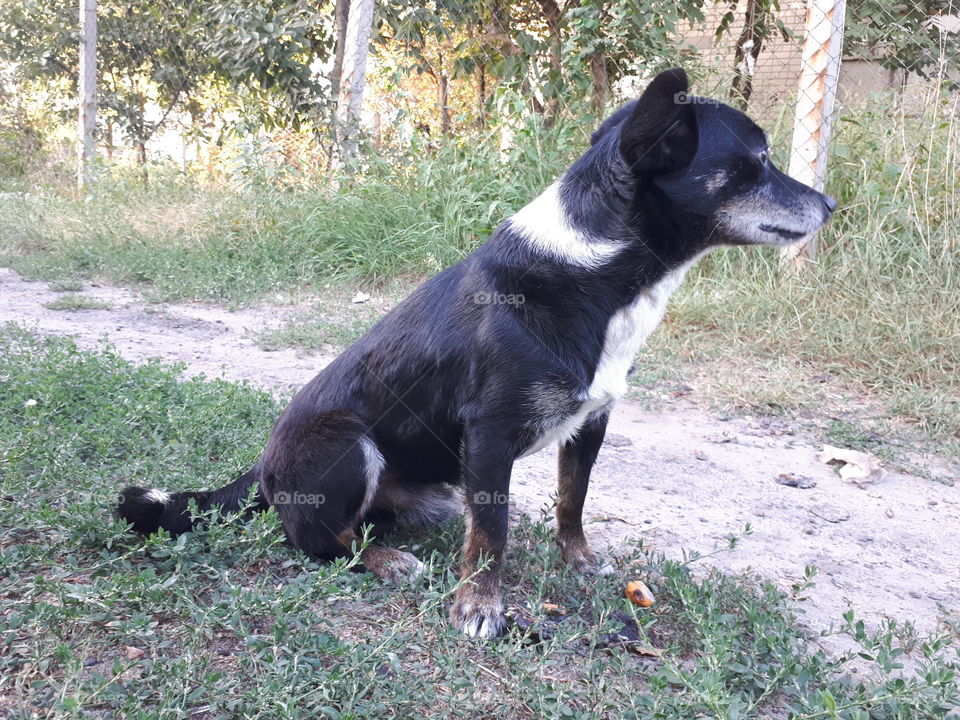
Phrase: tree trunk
(601, 82)
(341, 15)
(444, 106)
(87, 86)
(481, 95)
(109, 137)
(353, 76)
(554, 17)
(141, 146)
(747, 51)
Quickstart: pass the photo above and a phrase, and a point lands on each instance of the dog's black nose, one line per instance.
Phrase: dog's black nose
(830, 203)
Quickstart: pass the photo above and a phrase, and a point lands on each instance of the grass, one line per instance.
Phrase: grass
(227, 621)
(77, 302)
(178, 239)
(334, 321)
(874, 324)
(66, 286)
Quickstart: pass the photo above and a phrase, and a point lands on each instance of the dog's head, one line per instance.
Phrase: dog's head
(712, 163)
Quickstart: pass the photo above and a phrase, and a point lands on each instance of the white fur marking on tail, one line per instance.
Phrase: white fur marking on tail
(544, 224)
(160, 496)
(373, 464)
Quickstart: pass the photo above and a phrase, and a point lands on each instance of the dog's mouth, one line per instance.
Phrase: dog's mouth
(783, 232)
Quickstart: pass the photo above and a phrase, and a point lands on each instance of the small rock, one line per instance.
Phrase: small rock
(700, 455)
(133, 653)
(798, 481)
(830, 513)
(360, 297)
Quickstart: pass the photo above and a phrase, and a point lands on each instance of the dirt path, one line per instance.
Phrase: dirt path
(685, 478)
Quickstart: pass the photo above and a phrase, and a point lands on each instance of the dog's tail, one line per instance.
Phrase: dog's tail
(148, 510)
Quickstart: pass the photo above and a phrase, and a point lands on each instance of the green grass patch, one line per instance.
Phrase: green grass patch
(335, 321)
(77, 302)
(227, 621)
(66, 285)
(314, 332)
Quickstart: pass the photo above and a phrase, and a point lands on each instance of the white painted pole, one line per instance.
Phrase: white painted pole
(819, 75)
(88, 92)
(353, 74)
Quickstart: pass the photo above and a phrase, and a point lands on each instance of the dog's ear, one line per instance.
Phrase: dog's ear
(660, 136)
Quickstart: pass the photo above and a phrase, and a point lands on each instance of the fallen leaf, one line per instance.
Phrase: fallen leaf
(645, 651)
(627, 638)
(134, 653)
(360, 297)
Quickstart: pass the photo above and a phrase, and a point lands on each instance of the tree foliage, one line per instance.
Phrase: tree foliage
(155, 57)
(910, 36)
(273, 61)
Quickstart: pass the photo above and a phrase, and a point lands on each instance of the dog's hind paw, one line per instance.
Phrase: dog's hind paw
(478, 617)
(392, 566)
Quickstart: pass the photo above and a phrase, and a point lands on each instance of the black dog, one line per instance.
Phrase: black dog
(526, 342)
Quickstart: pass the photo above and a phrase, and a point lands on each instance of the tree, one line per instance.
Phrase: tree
(759, 23)
(904, 36)
(156, 56)
(269, 47)
(147, 54)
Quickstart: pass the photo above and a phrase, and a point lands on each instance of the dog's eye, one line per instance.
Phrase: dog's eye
(763, 157)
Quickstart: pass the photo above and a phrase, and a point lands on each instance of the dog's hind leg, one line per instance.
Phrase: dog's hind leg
(321, 473)
(576, 460)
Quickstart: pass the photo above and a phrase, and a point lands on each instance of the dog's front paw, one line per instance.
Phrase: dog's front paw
(477, 615)
(582, 559)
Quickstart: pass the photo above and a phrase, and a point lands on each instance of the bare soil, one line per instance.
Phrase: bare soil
(682, 478)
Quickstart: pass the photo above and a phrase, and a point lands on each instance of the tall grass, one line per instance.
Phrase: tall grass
(404, 213)
(880, 308)
(882, 303)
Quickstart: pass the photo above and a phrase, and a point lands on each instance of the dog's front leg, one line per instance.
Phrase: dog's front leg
(487, 462)
(576, 460)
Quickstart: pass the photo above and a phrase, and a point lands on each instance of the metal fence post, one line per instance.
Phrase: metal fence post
(819, 75)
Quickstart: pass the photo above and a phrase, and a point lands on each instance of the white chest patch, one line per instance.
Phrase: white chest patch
(627, 330)
(544, 224)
